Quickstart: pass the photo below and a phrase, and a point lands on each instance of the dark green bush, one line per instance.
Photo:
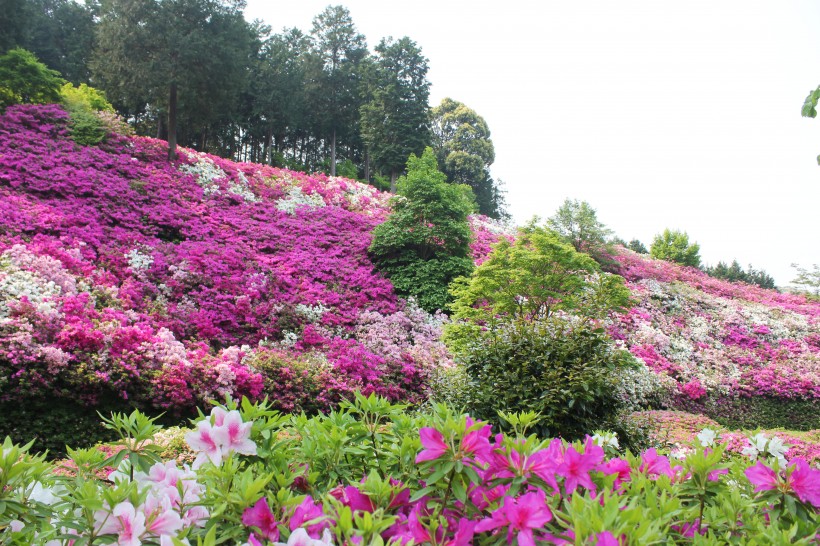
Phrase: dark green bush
(757, 412)
(565, 370)
(425, 242)
(55, 422)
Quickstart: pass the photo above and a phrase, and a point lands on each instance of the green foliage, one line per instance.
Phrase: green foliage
(637, 246)
(24, 79)
(673, 246)
(577, 224)
(563, 370)
(530, 280)
(395, 122)
(735, 273)
(461, 139)
(808, 278)
(758, 412)
(424, 244)
(84, 97)
(53, 424)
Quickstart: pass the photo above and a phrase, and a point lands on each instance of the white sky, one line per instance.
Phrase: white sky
(660, 114)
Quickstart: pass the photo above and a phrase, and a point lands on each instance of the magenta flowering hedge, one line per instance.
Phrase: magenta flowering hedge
(161, 283)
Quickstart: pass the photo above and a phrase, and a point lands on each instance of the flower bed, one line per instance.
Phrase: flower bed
(372, 474)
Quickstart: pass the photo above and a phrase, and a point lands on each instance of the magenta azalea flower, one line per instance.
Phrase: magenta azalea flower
(655, 465)
(805, 482)
(575, 469)
(434, 445)
(617, 466)
(521, 515)
(308, 511)
(605, 539)
(763, 477)
(261, 517)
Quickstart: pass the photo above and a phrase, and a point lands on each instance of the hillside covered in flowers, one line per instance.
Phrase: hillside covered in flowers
(125, 277)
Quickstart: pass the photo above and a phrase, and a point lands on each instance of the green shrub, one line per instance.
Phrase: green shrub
(566, 370)
(84, 105)
(424, 244)
(24, 79)
(757, 412)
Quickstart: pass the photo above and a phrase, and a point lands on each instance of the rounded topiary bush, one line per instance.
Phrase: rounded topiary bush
(566, 370)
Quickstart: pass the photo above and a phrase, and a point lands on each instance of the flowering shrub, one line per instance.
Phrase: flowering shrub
(125, 276)
(371, 474)
(719, 341)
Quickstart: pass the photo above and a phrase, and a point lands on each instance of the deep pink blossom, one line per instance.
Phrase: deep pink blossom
(261, 517)
(434, 445)
(762, 477)
(805, 482)
(575, 469)
(520, 516)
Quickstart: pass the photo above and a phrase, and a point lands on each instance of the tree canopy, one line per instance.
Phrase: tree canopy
(673, 246)
(424, 244)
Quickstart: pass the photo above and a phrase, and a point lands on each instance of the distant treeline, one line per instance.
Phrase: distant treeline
(196, 73)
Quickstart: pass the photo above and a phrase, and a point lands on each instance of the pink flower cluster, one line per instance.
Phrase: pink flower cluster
(123, 274)
(718, 338)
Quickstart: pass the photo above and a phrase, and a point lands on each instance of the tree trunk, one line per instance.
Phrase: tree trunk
(172, 123)
(367, 165)
(333, 154)
(393, 176)
(266, 150)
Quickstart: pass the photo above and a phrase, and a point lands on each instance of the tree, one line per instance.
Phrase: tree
(424, 244)
(577, 224)
(192, 53)
(24, 79)
(340, 48)
(395, 123)
(525, 327)
(461, 139)
(61, 34)
(735, 273)
(637, 246)
(534, 277)
(809, 109)
(673, 246)
(809, 279)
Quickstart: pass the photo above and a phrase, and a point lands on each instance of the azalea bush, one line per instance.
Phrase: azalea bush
(163, 286)
(741, 354)
(371, 473)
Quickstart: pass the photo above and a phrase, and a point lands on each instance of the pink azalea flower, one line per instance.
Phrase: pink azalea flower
(261, 517)
(125, 522)
(805, 482)
(477, 442)
(433, 442)
(463, 535)
(605, 539)
(203, 441)
(308, 511)
(655, 465)
(160, 517)
(575, 469)
(234, 435)
(763, 477)
(617, 466)
(522, 515)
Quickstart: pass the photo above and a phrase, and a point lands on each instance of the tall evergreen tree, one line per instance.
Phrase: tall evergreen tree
(395, 123)
(160, 54)
(340, 49)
